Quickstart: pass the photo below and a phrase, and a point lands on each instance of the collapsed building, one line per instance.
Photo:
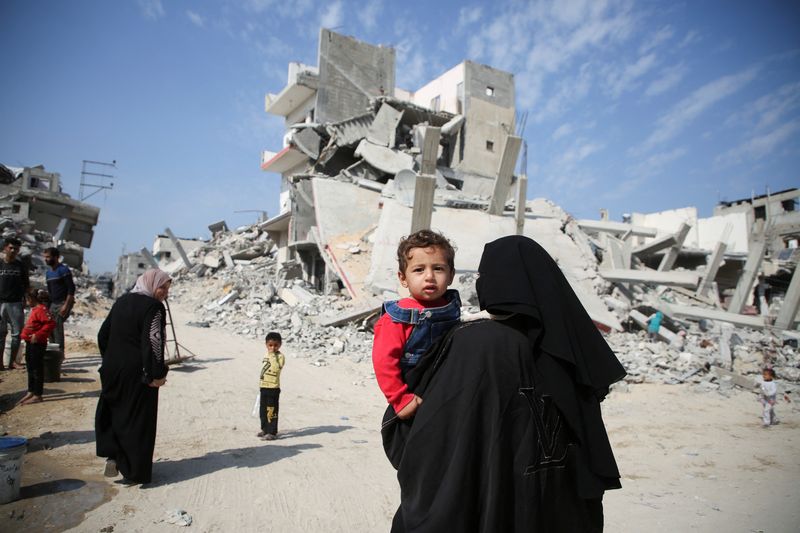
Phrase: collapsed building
(34, 208)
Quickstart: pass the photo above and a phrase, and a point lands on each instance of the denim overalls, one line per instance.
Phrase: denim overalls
(429, 325)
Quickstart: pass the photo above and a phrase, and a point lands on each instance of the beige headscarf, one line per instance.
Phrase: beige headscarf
(151, 280)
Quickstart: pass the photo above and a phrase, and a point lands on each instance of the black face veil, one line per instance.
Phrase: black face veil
(575, 365)
(517, 275)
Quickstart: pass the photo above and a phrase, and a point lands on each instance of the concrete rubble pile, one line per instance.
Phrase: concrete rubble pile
(364, 163)
(236, 284)
(253, 295)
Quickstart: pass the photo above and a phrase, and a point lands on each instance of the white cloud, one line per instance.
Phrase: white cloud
(761, 145)
(467, 16)
(332, 16)
(687, 110)
(628, 77)
(657, 39)
(562, 131)
(580, 150)
(195, 18)
(655, 163)
(543, 42)
(773, 107)
(691, 38)
(669, 78)
(368, 14)
(151, 9)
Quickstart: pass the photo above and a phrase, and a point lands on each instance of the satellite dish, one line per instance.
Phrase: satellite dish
(405, 182)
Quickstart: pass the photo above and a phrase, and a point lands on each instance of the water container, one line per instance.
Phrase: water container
(12, 449)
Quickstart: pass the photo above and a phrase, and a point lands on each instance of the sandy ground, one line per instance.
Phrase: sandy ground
(691, 461)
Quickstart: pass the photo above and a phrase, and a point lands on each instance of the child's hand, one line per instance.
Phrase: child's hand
(411, 407)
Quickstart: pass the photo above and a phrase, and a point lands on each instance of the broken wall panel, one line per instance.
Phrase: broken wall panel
(344, 214)
(350, 73)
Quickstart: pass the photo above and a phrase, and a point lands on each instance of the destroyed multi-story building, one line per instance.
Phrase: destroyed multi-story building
(166, 252)
(31, 198)
(363, 163)
(348, 124)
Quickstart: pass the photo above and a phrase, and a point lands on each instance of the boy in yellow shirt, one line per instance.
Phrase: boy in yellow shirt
(270, 385)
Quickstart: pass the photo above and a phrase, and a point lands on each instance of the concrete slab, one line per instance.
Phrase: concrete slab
(383, 158)
(788, 312)
(744, 287)
(505, 174)
(307, 141)
(668, 261)
(654, 277)
(656, 245)
(430, 151)
(756, 322)
(383, 130)
(716, 260)
(423, 203)
(178, 246)
(737, 379)
(616, 228)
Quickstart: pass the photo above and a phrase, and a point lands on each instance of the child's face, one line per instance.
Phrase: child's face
(273, 346)
(427, 274)
(767, 375)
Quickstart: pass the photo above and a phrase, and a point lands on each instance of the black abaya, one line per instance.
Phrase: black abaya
(131, 342)
(509, 436)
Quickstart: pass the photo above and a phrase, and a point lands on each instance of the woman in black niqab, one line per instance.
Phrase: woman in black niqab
(510, 436)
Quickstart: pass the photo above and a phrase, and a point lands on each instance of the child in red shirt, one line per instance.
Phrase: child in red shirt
(35, 334)
(408, 327)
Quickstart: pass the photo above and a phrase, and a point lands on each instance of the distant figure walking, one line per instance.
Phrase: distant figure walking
(132, 344)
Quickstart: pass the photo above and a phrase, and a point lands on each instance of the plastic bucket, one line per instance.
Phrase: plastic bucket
(11, 451)
(52, 363)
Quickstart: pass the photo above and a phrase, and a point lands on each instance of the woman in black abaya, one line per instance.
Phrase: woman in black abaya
(131, 342)
(509, 436)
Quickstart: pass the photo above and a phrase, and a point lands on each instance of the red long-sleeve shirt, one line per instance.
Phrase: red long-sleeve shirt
(40, 323)
(387, 350)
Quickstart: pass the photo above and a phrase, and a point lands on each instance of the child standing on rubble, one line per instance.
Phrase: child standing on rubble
(768, 396)
(270, 384)
(409, 326)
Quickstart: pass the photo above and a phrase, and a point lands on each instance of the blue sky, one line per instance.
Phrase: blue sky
(632, 106)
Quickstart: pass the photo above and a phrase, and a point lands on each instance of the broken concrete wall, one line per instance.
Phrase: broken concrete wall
(445, 93)
(490, 113)
(129, 267)
(350, 73)
(705, 233)
(345, 215)
(709, 231)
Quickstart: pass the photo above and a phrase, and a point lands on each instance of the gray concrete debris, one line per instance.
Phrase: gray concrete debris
(259, 296)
